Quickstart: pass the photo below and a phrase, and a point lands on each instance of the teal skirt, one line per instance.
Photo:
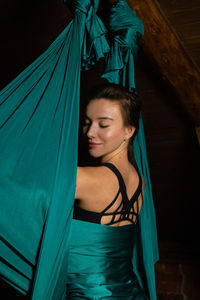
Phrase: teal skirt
(100, 262)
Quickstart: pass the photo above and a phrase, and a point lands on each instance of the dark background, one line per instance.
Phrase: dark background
(28, 28)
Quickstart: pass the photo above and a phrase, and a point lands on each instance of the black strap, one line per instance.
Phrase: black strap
(122, 183)
(117, 173)
(125, 204)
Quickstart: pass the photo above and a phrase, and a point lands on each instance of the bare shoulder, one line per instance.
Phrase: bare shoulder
(85, 173)
(88, 180)
(133, 178)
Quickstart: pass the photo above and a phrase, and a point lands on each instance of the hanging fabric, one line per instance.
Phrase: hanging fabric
(39, 118)
(119, 69)
(38, 154)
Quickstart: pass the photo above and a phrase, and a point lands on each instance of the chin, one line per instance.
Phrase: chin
(93, 154)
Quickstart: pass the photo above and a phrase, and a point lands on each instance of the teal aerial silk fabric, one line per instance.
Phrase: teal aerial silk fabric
(100, 262)
(120, 70)
(39, 117)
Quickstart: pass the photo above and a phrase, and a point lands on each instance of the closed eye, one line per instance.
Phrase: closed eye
(104, 126)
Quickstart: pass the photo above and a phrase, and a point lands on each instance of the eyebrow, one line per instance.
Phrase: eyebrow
(100, 118)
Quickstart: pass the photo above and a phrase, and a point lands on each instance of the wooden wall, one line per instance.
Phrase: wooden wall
(185, 17)
(173, 152)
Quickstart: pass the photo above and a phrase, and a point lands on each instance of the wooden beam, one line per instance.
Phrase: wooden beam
(162, 44)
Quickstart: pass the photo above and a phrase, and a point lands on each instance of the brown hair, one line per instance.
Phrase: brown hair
(130, 106)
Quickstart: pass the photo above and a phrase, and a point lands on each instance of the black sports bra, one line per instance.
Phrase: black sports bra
(125, 210)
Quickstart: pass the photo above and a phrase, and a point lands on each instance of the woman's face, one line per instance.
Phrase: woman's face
(104, 127)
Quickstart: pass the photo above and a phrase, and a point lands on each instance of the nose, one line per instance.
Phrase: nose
(91, 131)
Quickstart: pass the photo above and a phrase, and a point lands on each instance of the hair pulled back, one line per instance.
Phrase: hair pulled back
(129, 104)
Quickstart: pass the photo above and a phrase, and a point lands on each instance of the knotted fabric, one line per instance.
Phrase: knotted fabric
(120, 61)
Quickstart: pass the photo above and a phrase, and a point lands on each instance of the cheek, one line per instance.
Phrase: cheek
(112, 134)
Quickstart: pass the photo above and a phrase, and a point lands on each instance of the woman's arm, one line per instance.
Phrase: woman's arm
(80, 182)
(86, 181)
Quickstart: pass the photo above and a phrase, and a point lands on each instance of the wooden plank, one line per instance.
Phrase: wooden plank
(185, 16)
(170, 6)
(163, 45)
(189, 30)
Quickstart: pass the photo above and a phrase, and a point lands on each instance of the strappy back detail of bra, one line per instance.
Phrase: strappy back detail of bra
(124, 212)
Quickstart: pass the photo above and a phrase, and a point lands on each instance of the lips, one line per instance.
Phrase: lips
(93, 145)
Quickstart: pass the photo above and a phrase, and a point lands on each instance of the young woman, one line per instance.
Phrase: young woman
(108, 200)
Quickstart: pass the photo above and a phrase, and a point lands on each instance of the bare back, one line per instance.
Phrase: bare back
(112, 196)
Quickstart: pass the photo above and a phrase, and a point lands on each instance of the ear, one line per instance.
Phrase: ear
(129, 131)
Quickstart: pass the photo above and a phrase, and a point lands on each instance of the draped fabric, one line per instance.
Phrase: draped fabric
(100, 264)
(120, 70)
(39, 117)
